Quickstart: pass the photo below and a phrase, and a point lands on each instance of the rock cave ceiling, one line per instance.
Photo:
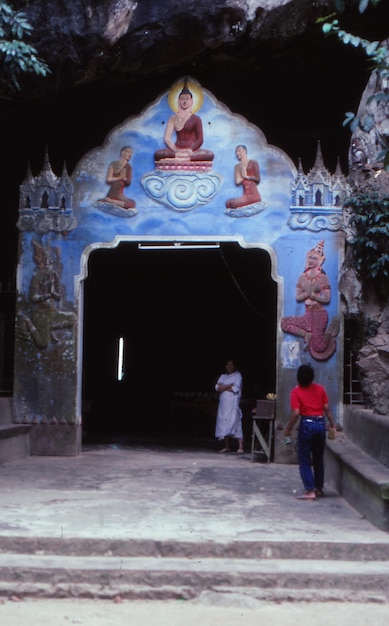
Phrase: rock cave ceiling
(267, 60)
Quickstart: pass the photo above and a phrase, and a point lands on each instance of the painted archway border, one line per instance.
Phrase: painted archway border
(61, 220)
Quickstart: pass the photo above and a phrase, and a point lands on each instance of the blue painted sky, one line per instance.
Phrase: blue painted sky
(223, 131)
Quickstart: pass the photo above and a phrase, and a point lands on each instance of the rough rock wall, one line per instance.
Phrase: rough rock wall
(368, 145)
(89, 40)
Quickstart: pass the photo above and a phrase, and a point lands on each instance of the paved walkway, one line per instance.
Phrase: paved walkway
(179, 613)
(119, 492)
(138, 494)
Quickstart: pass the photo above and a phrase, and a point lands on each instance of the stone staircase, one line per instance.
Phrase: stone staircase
(357, 463)
(14, 438)
(148, 570)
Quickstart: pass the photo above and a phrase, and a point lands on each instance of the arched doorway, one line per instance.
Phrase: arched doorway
(182, 313)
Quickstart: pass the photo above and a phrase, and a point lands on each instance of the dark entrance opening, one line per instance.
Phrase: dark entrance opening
(181, 313)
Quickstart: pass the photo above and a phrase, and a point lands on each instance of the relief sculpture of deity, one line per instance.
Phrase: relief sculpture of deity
(44, 318)
(247, 174)
(119, 176)
(313, 288)
(188, 129)
(183, 178)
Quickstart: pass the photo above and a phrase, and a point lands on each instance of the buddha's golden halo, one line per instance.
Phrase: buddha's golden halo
(194, 88)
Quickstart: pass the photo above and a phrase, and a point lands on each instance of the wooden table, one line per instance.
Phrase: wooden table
(264, 413)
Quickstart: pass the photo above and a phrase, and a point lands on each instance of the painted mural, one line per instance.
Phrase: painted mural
(184, 176)
(41, 318)
(195, 168)
(119, 176)
(314, 290)
(186, 169)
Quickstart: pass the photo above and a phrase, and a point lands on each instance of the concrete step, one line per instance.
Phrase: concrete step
(358, 464)
(14, 442)
(5, 410)
(14, 438)
(360, 479)
(151, 578)
(368, 431)
(154, 570)
(59, 547)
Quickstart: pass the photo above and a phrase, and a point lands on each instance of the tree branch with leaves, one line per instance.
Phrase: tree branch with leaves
(378, 56)
(17, 57)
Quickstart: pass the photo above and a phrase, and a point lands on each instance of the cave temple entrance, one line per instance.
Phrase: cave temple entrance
(159, 323)
(107, 265)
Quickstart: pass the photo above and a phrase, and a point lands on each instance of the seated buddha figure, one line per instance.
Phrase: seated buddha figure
(184, 150)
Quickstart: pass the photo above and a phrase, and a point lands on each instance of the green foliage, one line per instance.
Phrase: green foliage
(370, 219)
(378, 55)
(378, 58)
(16, 56)
(362, 4)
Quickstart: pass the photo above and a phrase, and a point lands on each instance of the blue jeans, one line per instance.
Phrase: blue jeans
(311, 441)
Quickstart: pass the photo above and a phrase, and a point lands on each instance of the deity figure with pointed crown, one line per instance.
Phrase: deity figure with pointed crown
(44, 317)
(313, 288)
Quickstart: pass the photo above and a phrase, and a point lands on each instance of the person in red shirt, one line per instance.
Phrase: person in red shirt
(309, 401)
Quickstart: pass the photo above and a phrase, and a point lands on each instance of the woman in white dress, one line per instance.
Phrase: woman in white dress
(229, 415)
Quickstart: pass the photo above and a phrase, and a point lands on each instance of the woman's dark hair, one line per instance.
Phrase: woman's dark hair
(305, 375)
